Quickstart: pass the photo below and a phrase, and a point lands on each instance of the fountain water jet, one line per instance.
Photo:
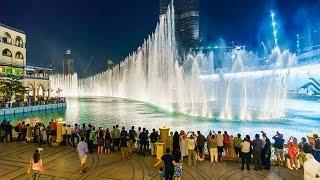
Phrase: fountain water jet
(152, 74)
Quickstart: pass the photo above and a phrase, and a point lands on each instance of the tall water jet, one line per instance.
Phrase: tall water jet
(152, 73)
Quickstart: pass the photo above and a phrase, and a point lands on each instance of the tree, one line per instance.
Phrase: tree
(10, 86)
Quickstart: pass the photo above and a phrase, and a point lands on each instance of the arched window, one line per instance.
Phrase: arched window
(19, 41)
(6, 52)
(19, 55)
(41, 91)
(7, 38)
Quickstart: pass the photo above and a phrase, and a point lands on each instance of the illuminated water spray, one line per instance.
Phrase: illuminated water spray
(153, 74)
(274, 28)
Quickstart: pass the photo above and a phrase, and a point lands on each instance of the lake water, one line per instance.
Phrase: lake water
(303, 117)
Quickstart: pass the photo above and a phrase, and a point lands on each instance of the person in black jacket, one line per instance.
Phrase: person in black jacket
(132, 139)
(8, 131)
(153, 139)
(124, 144)
(143, 141)
(168, 165)
(266, 153)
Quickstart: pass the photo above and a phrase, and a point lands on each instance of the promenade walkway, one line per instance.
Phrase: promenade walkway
(63, 163)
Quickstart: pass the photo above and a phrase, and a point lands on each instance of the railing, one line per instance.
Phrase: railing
(25, 76)
(8, 104)
(35, 77)
(6, 42)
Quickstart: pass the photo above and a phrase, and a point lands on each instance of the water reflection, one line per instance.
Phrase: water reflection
(107, 112)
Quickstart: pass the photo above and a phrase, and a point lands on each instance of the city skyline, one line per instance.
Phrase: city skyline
(113, 30)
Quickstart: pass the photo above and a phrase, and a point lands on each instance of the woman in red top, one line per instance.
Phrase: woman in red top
(293, 150)
(226, 143)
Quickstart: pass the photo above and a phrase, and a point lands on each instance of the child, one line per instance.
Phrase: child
(161, 173)
(177, 169)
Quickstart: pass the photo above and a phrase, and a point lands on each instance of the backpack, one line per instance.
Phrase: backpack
(17, 128)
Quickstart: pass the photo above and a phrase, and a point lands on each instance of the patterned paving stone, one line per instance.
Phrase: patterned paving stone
(63, 163)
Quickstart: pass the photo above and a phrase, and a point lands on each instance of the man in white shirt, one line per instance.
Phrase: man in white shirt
(192, 153)
(220, 145)
(116, 133)
(137, 137)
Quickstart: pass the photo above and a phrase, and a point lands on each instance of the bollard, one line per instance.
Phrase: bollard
(159, 151)
(59, 132)
(164, 134)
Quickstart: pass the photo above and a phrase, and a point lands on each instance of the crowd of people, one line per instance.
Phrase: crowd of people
(220, 146)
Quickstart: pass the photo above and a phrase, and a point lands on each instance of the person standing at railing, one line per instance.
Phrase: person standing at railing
(245, 153)
(75, 134)
(18, 129)
(92, 138)
(220, 145)
(278, 145)
(256, 151)
(266, 152)
(213, 148)
(69, 134)
(237, 145)
(132, 139)
(153, 139)
(293, 151)
(64, 134)
(183, 144)
(8, 131)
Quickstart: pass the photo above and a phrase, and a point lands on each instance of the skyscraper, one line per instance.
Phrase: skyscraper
(109, 64)
(68, 65)
(186, 22)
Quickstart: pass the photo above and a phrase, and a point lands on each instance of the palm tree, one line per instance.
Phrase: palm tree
(10, 86)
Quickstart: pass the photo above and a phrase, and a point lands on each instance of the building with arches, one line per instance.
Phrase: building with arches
(13, 62)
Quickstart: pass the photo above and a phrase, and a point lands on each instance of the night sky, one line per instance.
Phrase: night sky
(114, 28)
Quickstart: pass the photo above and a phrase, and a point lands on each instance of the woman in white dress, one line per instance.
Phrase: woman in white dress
(183, 144)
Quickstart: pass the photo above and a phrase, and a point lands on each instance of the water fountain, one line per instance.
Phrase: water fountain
(152, 74)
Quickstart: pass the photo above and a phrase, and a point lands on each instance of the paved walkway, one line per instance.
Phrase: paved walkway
(63, 163)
